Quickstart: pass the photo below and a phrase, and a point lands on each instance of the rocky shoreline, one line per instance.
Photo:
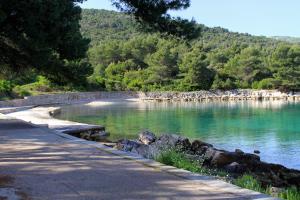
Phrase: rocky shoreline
(219, 95)
(198, 96)
(234, 163)
(149, 146)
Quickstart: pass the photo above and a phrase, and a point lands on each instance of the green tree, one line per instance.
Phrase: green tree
(248, 66)
(43, 35)
(163, 66)
(154, 17)
(114, 74)
(286, 66)
(197, 74)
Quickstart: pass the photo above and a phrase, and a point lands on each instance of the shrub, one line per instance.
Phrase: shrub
(21, 91)
(42, 85)
(5, 86)
(268, 83)
(5, 89)
(96, 82)
(290, 194)
(180, 160)
(248, 182)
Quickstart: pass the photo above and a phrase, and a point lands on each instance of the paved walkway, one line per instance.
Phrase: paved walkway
(36, 163)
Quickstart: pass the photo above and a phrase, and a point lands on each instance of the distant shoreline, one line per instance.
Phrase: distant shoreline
(198, 96)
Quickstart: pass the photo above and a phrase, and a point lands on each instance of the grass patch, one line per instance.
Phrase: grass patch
(290, 194)
(178, 159)
(249, 182)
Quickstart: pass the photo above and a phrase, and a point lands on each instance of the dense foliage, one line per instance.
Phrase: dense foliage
(125, 59)
(45, 36)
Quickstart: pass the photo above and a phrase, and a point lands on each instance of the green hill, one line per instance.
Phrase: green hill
(102, 25)
(125, 58)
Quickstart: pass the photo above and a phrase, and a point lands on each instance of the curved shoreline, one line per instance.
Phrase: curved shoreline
(197, 96)
(44, 116)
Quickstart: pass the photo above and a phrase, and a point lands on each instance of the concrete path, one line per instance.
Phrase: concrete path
(37, 163)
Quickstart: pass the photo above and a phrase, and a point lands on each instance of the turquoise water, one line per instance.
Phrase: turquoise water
(272, 128)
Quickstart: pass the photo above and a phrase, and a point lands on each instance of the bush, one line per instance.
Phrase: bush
(268, 83)
(290, 194)
(5, 89)
(21, 91)
(248, 182)
(96, 82)
(178, 159)
(42, 85)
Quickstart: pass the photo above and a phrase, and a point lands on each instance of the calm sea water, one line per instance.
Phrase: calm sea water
(272, 128)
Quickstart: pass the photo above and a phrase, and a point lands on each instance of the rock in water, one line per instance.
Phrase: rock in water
(256, 151)
(147, 137)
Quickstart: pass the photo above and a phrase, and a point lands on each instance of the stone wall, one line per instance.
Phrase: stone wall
(235, 95)
(77, 97)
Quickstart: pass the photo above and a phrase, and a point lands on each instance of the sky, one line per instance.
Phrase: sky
(257, 17)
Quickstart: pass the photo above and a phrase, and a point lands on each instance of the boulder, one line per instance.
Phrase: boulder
(275, 191)
(165, 142)
(235, 167)
(248, 158)
(127, 145)
(168, 141)
(184, 144)
(239, 151)
(143, 150)
(94, 135)
(99, 136)
(222, 158)
(147, 137)
(198, 147)
(85, 135)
